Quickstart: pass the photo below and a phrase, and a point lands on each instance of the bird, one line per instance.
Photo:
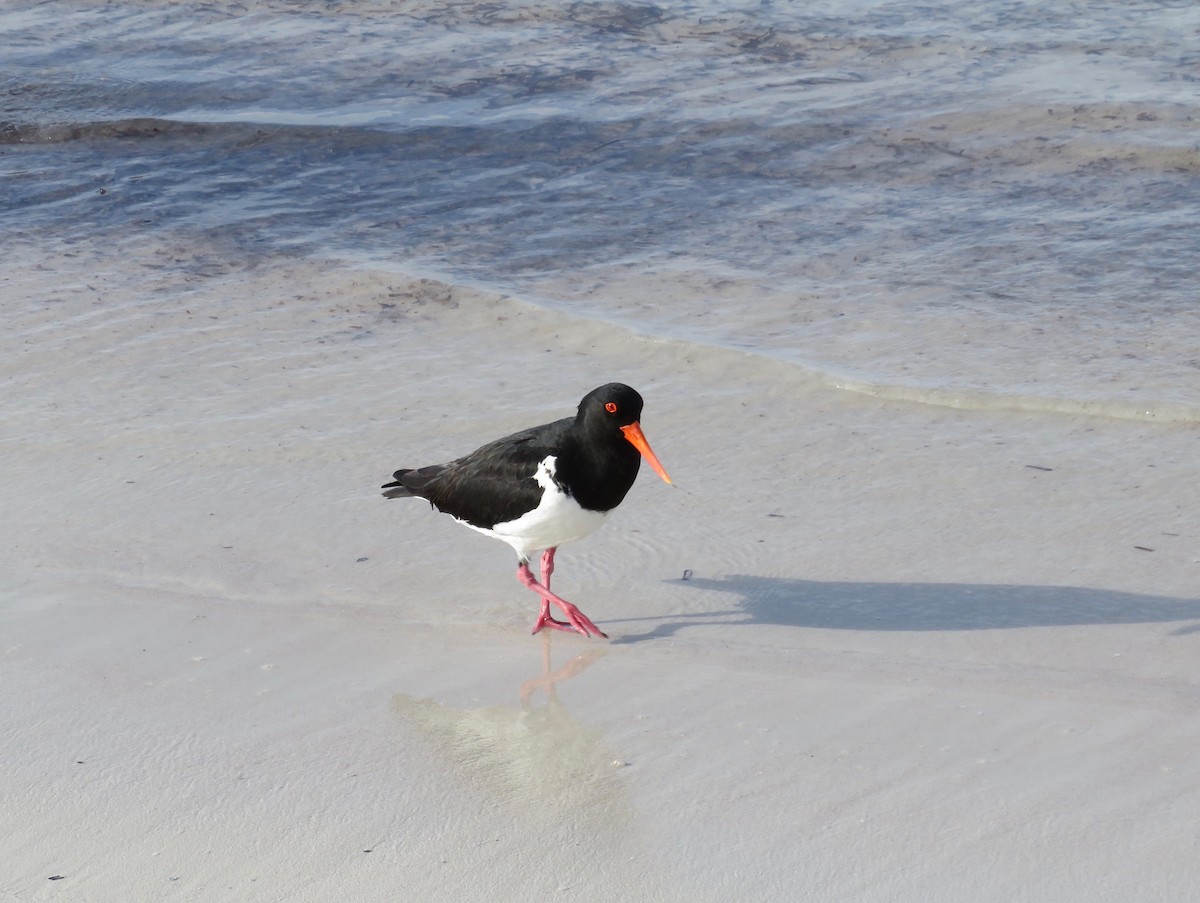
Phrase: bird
(541, 487)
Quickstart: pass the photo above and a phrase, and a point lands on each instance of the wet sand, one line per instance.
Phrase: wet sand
(923, 653)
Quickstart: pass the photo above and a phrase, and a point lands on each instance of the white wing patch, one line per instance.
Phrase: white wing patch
(558, 518)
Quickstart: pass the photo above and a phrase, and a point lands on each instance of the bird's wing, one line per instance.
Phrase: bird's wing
(493, 484)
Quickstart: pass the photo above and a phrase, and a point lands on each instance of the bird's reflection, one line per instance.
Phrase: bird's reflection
(550, 676)
(531, 751)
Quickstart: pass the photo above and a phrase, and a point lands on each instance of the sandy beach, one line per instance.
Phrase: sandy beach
(921, 653)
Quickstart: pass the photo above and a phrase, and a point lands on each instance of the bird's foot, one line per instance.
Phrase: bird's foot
(577, 621)
(544, 620)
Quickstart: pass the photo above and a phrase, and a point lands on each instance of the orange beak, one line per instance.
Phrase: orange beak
(633, 433)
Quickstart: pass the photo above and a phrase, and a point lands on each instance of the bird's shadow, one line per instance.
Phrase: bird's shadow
(918, 606)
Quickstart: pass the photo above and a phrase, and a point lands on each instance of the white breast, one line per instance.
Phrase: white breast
(558, 518)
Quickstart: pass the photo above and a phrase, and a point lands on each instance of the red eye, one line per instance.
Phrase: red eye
(611, 407)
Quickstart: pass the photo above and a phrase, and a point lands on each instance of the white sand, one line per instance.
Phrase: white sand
(910, 665)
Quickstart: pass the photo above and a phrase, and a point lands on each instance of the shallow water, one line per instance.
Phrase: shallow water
(973, 204)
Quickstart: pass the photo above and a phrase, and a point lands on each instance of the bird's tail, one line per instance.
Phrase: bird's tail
(411, 483)
(396, 489)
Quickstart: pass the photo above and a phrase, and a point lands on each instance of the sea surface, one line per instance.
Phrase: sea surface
(978, 204)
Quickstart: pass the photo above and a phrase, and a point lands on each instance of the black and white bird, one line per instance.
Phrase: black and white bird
(543, 486)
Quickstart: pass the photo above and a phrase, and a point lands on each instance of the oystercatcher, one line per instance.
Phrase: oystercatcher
(543, 486)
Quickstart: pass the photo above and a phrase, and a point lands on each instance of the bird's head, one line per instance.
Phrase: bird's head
(618, 407)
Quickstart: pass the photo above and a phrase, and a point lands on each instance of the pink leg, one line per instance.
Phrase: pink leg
(576, 620)
(544, 619)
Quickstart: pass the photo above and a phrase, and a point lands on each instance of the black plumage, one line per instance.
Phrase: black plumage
(594, 464)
